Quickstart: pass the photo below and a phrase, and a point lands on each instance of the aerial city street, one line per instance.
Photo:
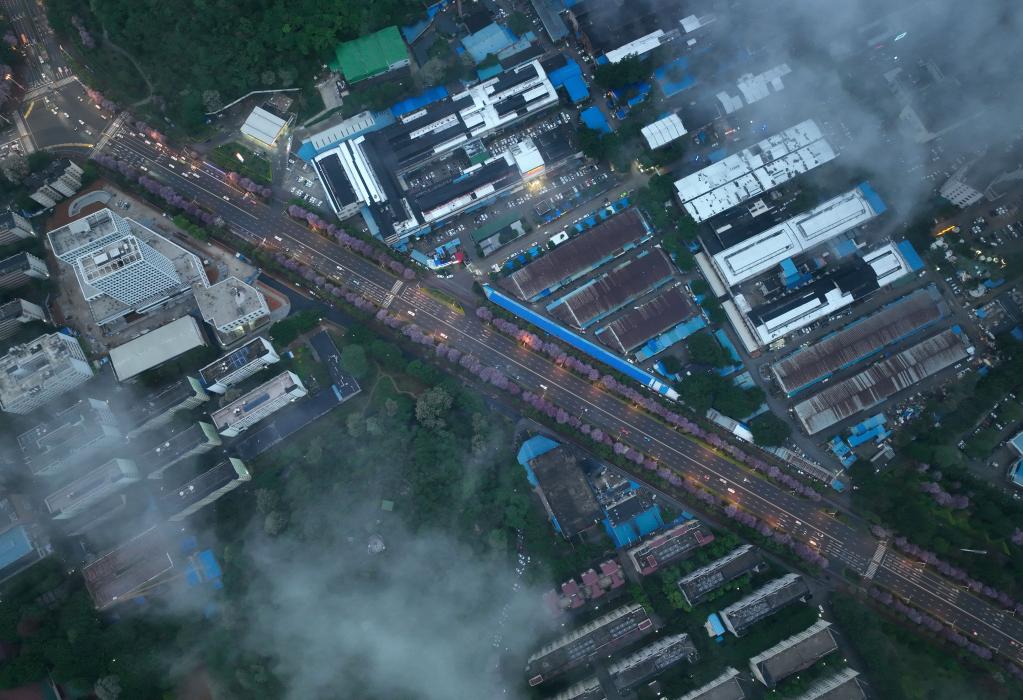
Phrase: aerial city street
(567, 349)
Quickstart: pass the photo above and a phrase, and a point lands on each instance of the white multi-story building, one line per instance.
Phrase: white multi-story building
(35, 373)
(60, 180)
(233, 308)
(259, 403)
(237, 365)
(16, 312)
(987, 177)
(91, 488)
(14, 227)
(21, 268)
(122, 266)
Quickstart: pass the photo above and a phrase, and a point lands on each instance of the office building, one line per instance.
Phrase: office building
(124, 267)
(16, 313)
(932, 102)
(763, 602)
(20, 269)
(724, 687)
(61, 179)
(233, 308)
(259, 403)
(22, 541)
(72, 436)
(668, 546)
(651, 661)
(237, 365)
(199, 490)
(91, 488)
(603, 636)
(794, 654)
(139, 565)
(35, 373)
(989, 176)
(194, 440)
(753, 171)
(844, 685)
(159, 407)
(156, 347)
(696, 586)
(14, 227)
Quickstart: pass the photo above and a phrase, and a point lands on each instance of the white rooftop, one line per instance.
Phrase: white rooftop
(637, 47)
(526, 156)
(156, 347)
(353, 125)
(663, 131)
(756, 87)
(263, 126)
(803, 315)
(692, 22)
(744, 175)
(229, 300)
(888, 264)
(799, 234)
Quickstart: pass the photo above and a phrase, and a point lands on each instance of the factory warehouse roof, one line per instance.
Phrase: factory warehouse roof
(880, 381)
(263, 126)
(641, 323)
(799, 234)
(663, 131)
(156, 347)
(744, 175)
(565, 491)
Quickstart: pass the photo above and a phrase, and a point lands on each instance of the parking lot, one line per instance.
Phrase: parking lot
(300, 182)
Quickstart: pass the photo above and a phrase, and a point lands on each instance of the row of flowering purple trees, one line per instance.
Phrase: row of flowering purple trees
(244, 183)
(352, 243)
(165, 192)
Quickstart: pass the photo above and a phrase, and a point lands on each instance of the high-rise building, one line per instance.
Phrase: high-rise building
(122, 266)
(15, 313)
(159, 408)
(14, 227)
(70, 437)
(196, 439)
(92, 487)
(20, 269)
(199, 490)
(990, 176)
(35, 373)
(237, 365)
(259, 403)
(233, 308)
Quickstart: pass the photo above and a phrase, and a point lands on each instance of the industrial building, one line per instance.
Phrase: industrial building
(16, 313)
(35, 373)
(371, 55)
(263, 126)
(237, 365)
(794, 654)
(882, 380)
(751, 172)
(20, 269)
(133, 568)
(91, 488)
(603, 636)
(233, 308)
(123, 267)
(60, 179)
(668, 546)
(844, 685)
(663, 131)
(724, 687)
(199, 490)
(70, 437)
(159, 407)
(566, 495)
(602, 296)
(795, 236)
(859, 340)
(753, 88)
(364, 172)
(259, 403)
(589, 689)
(577, 257)
(611, 30)
(642, 322)
(652, 660)
(156, 347)
(595, 589)
(196, 439)
(697, 585)
(763, 602)
(14, 227)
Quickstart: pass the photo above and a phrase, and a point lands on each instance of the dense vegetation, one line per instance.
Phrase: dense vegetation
(201, 54)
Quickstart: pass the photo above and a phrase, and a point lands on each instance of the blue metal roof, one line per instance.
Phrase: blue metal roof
(492, 39)
(910, 255)
(14, 544)
(872, 197)
(434, 94)
(594, 119)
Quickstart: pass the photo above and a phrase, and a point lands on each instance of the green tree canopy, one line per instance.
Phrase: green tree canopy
(769, 430)
(353, 361)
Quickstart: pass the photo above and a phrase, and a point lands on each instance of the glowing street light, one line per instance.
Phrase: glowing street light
(239, 157)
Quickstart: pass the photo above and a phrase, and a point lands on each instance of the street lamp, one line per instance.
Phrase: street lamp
(10, 76)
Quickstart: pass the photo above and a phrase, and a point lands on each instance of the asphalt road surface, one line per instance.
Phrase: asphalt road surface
(844, 545)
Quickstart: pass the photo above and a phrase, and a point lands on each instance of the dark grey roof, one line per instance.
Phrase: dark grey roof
(643, 322)
(792, 655)
(566, 490)
(195, 486)
(740, 561)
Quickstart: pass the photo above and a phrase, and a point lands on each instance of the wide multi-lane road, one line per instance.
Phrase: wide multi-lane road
(845, 545)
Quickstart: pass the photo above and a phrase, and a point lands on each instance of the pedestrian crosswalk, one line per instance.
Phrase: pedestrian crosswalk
(875, 561)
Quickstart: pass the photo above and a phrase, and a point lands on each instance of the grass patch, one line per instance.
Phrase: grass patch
(255, 166)
(446, 299)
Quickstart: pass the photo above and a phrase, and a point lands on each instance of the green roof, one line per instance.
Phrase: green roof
(493, 226)
(369, 55)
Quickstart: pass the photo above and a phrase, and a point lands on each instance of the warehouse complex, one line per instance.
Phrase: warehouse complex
(883, 379)
(651, 318)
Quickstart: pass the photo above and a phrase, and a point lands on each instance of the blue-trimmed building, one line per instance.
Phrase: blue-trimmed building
(559, 480)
